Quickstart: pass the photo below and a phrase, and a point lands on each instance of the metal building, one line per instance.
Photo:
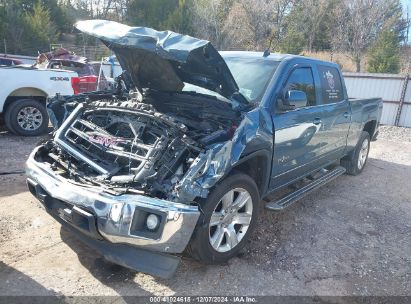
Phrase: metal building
(392, 88)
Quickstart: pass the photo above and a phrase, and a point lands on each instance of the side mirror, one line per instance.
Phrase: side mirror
(293, 99)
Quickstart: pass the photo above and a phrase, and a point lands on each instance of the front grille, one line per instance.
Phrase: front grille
(113, 142)
(108, 148)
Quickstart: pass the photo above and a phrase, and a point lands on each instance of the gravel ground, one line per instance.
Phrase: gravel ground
(351, 237)
(395, 134)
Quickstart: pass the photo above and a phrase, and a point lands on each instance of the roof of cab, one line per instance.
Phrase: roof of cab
(274, 57)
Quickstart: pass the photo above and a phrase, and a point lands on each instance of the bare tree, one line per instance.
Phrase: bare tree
(208, 17)
(113, 9)
(106, 9)
(357, 24)
(408, 24)
(260, 19)
(237, 32)
(247, 24)
(309, 17)
(281, 9)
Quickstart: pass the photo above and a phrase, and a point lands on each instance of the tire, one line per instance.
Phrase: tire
(30, 109)
(200, 246)
(355, 163)
(7, 122)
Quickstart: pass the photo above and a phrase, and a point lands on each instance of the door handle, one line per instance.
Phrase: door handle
(317, 121)
(347, 115)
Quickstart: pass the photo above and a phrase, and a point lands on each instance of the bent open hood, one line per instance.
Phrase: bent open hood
(163, 60)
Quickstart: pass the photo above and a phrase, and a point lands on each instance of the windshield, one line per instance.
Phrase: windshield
(252, 75)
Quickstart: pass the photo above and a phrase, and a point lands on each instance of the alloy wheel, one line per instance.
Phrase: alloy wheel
(230, 220)
(362, 157)
(29, 118)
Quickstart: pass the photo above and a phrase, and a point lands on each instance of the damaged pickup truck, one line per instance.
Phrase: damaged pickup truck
(191, 145)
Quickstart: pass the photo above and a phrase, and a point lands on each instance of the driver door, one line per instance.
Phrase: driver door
(296, 140)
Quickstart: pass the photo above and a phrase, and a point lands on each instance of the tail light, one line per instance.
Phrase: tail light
(75, 84)
(84, 84)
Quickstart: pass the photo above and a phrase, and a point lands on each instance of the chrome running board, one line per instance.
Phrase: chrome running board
(298, 193)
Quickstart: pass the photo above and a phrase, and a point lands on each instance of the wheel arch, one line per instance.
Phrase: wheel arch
(257, 165)
(25, 93)
(370, 127)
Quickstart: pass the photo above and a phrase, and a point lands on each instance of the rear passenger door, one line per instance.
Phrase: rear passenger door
(334, 111)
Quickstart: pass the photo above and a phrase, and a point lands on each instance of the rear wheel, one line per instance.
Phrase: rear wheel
(355, 163)
(228, 217)
(27, 117)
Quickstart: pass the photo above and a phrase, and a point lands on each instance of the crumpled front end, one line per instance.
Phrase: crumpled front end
(118, 218)
(115, 224)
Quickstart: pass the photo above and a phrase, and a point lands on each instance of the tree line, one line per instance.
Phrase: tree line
(372, 29)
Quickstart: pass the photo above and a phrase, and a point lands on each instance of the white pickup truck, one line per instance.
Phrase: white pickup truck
(23, 94)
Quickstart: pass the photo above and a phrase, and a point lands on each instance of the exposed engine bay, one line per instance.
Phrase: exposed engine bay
(143, 144)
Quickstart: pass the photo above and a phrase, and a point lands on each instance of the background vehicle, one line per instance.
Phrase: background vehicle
(8, 61)
(23, 95)
(88, 78)
(189, 164)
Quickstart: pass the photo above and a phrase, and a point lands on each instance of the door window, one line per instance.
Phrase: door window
(331, 86)
(302, 79)
(5, 62)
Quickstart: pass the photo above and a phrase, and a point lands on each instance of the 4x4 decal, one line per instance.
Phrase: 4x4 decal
(60, 78)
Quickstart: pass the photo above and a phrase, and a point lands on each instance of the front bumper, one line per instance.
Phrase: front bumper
(111, 218)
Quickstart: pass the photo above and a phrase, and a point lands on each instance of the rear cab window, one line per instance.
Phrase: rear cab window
(80, 68)
(331, 84)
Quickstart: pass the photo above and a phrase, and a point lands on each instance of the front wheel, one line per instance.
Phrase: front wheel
(228, 217)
